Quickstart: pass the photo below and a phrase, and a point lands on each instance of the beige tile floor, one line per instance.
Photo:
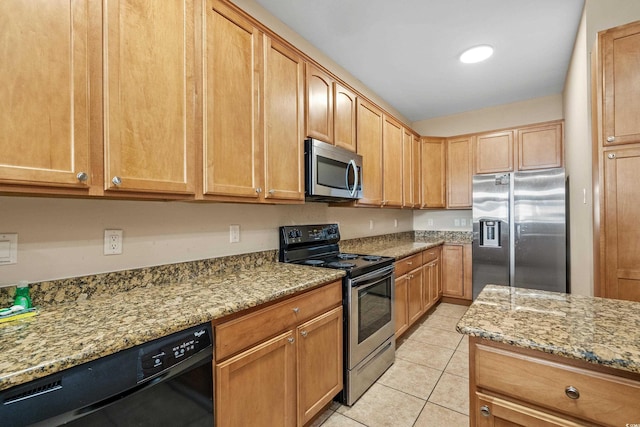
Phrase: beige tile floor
(428, 385)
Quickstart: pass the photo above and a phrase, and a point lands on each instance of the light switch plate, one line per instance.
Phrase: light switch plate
(8, 248)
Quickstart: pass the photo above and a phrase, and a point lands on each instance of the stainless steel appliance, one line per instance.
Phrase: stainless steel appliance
(368, 299)
(168, 381)
(520, 230)
(331, 173)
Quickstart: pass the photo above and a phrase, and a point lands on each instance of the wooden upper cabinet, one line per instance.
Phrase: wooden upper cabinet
(232, 150)
(319, 104)
(283, 123)
(540, 146)
(493, 152)
(344, 117)
(44, 88)
(416, 170)
(619, 52)
(407, 165)
(392, 162)
(621, 259)
(459, 172)
(433, 176)
(370, 148)
(149, 95)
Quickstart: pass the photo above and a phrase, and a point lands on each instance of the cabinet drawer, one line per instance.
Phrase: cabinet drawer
(429, 255)
(236, 335)
(407, 264)
(603, 398)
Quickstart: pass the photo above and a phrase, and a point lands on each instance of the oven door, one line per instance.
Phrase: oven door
(371, 313)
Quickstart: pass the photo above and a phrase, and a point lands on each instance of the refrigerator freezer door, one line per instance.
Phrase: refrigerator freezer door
(490, 251)
(540, 230)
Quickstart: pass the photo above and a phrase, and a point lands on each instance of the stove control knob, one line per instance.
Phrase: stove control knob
(298, 233)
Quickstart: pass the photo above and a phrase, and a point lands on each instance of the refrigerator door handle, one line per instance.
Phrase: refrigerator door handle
(518, 231)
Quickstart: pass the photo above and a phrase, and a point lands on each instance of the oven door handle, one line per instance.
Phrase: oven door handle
(352, 166)
(373, 278)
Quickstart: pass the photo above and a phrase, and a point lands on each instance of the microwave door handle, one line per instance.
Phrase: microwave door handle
(352, 166)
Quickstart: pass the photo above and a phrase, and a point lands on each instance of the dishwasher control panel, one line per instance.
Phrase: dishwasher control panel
(163, 355)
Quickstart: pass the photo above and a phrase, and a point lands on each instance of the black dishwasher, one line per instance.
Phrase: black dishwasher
(165, 382)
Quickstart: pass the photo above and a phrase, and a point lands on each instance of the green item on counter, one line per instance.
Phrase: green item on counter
(22, 295)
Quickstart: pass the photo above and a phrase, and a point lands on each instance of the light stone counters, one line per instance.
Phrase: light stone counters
(70, 333)
(597, 330)
(396, 250)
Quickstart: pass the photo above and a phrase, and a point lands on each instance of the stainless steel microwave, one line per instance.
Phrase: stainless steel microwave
(332, 174)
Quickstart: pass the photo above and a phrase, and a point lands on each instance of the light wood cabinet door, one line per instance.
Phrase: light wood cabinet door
(320, 373)
(493, 152)
(369, 136)
(621, 260)
(491, 411)
(258, 386)
(433, 173)
(416, 170)
(620, 60)
(344, 117)
(415, 292)
(407, 169)
(149, 95)
(44, 88)
(283, 126)
(401, 305)
(459, 172)
(232, 152)
(428, 286)
(319, 104)
(452, 271)
(540, 146)
(392, 137)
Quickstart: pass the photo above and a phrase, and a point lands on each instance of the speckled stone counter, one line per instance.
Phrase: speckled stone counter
(397, 245)
(73, 332)
(597, 330)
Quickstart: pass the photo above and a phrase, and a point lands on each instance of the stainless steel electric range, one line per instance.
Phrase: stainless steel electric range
(368, 300)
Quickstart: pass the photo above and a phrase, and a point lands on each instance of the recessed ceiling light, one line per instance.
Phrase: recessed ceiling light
(476, 54)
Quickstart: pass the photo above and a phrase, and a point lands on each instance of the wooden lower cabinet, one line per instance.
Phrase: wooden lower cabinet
(418, 287)
(539, 389)
(456, 271)
(287, 379)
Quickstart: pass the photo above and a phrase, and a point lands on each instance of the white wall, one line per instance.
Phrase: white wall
(454, 219)
(60, 238)
(535, 110)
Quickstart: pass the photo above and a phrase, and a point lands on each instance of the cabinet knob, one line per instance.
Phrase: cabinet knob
(272, 191)
(258, 190)
(303, 333)
(572, 392)
(611, 155)
(116, 180)
(409, 262)
(296, 310)
(485, 411)
(291, 340)
(611, 138)
(82, 176)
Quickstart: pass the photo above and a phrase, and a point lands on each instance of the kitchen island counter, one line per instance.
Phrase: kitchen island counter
(600, 331)
(71, 333)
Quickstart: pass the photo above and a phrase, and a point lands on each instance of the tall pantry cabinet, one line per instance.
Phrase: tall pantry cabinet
(616, 162)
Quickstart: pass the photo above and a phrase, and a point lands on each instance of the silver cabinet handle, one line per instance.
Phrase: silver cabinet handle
(272, 191)
(82, 176)
(485, 411)
(296, 310)
(291, 340)
(258, 190)
(611, 155)
(572, 392)
(611, 138)
(116, 180)
(303, 333)
(409, 262)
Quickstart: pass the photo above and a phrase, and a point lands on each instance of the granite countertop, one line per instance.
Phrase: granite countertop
(397, 250)
(597, 330)
(71, 333)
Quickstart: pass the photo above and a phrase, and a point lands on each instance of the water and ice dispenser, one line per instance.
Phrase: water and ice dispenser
(490, 233)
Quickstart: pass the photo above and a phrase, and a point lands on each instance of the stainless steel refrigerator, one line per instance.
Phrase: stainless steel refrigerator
(520, 230)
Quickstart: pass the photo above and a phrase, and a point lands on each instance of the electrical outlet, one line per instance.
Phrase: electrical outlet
(234, 233)
(395, 223)
(463, 222)
(456, 222)
(370, 224)
(112, 242)
(430, 222)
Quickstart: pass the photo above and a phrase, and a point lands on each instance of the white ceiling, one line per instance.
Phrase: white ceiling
(407, 51)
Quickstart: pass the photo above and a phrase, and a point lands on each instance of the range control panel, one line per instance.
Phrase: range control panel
(171, 351)
(297, 234)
